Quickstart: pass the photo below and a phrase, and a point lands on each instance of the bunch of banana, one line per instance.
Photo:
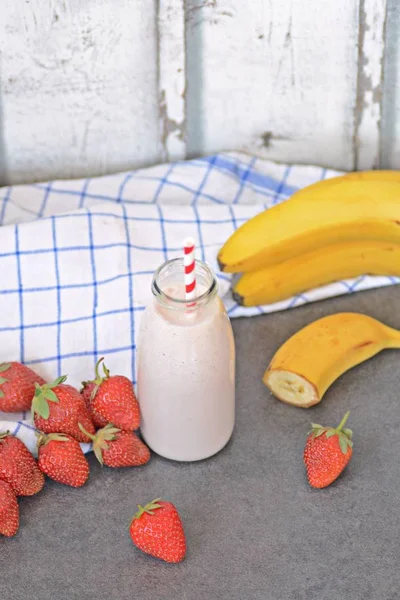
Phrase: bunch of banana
(334, 229)
(313, 358)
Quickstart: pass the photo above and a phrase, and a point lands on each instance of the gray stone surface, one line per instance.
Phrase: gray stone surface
(255, 529)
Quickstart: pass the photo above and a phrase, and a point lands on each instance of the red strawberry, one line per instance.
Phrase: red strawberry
(89, 388)
(59, 408)
(17, 386)
(9, 511)
(18, 467)
(157, 530)
(113, 400)
(116, 448)
(62, 459)
(327, 452)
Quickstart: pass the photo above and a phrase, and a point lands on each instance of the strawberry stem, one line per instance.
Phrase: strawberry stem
(90, 435)
(44, 438)
(343, 422)
(148, 508)
(98, 378)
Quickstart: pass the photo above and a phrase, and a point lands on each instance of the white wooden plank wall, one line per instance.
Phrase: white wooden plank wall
(96, 86)
(79, 87)
(279, 78)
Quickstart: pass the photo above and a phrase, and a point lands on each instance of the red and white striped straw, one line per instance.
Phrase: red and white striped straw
(190, 271)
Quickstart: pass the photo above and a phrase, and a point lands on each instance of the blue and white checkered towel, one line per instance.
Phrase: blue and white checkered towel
(77, 257)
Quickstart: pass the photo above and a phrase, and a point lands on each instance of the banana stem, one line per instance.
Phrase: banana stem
(343, 422)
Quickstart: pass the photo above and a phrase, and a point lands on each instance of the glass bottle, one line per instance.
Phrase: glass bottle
(186, 367)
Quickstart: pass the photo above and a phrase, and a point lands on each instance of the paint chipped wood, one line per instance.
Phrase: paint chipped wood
(368, 107)
(390, 125)
(285, 68)
(79, 90)
(172, 78)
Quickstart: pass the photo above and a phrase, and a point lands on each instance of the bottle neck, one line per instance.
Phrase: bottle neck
(168, 286)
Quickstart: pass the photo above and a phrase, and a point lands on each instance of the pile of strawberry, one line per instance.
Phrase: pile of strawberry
(105, 412)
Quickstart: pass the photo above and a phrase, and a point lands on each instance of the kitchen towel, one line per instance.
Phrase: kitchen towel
(77, 256)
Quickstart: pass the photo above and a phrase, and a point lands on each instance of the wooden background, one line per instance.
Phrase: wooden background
(96, 86)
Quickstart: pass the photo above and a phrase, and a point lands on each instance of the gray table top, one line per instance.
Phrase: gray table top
(255, 529)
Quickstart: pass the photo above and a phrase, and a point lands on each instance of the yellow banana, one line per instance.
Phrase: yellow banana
(313, 358)
(376, 175)
(371, 176)
(316, 268)
(348, 211)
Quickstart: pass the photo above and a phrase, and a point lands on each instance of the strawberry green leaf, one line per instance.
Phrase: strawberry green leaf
(3, 380)
(343, 443)
(58, 437)
(50, 395)
(2, 394)
(98, 454)
(40, 406)
(148, 508)
(94, 392)
(348, 432)
(330, 433)
(4, 367)
(58, 381)
(318, 432)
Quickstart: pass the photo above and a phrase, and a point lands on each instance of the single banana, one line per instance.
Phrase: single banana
(372, 176)
(317, 268)
(376, 175)
(313, 358)
(348, 211)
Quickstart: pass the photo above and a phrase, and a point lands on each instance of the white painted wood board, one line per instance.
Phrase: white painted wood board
(172, 78)
(277, 77)
(390, 129)
(79, 87)
(368, 113)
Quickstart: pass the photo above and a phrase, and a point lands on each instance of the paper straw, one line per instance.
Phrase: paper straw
(190, 270)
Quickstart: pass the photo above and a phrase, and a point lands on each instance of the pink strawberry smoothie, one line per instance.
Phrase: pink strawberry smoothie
(186, 368)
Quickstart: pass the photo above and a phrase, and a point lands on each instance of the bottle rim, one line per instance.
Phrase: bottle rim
(172, 302)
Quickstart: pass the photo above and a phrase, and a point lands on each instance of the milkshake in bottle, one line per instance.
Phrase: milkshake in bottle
(186, 366)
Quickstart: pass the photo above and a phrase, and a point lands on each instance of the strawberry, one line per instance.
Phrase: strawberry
(9, 511)
(157, 530)
(112, 400)
(62, 459)
(58, 408)
(116, 448)
(17, 386)
(87, 390)
(327, 452)
(18, 467)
